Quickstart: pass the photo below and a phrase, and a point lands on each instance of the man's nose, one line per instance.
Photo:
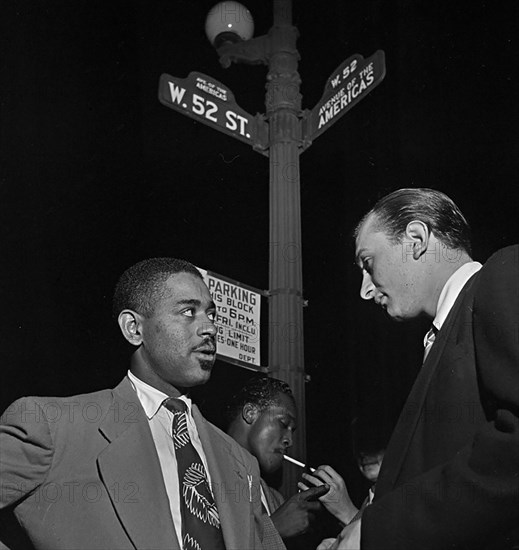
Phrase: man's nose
(367, 288)
(287, 439)
(207, 328)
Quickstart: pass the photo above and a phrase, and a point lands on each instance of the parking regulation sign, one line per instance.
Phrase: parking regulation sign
(237, 321)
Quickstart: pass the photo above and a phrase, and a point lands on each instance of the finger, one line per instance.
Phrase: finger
(302, 486)
(315, 481)
(323, 476)
(325, 544)
(322, 466)
(314, 492)
(330, 471)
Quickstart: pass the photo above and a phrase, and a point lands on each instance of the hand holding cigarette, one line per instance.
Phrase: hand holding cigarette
(337, 500)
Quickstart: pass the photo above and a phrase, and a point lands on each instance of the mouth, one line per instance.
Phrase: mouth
(381, 302)
(210, 352)
(280, 452)
(207, 349)
(206, 356)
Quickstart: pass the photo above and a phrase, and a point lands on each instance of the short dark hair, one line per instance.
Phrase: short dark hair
(141, 285)
(393, 212)
(262, 391)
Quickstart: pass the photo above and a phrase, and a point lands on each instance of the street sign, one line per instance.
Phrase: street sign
(238, 316)
(205, 99)
(349, 83)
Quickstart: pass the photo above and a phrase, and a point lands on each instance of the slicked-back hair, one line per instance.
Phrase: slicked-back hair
(261, 391)
(392, 213)
(142, 284)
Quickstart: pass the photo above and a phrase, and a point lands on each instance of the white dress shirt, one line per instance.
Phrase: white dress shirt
(264, 500)
(160, 420)
(450, 293)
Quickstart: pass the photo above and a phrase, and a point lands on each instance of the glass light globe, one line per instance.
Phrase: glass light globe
(228, 22)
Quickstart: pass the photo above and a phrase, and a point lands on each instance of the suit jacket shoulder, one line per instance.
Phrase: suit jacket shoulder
(88, 456)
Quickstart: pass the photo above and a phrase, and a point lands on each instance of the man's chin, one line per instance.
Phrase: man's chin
(270, 468)
(394, 315)
(207, 365)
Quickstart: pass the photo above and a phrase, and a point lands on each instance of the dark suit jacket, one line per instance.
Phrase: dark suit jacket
(83, 473)
(450, 475)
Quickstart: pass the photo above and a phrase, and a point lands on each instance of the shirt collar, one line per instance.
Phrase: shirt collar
(151, 398)
(451, 290)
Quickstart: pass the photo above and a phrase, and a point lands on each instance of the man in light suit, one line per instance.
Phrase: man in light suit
(99, 471)
(262, 418)
(450, 474)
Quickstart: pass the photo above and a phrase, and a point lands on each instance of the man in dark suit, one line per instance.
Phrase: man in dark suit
(262, 417)
(450, 474)
(99, 471)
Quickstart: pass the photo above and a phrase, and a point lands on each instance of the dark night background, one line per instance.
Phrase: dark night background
(96, 174)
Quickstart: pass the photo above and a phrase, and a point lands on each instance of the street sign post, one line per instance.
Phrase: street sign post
(349, 83)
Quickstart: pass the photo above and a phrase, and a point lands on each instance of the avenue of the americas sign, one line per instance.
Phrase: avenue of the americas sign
(203, 98)
(238, 313)
(349, 83)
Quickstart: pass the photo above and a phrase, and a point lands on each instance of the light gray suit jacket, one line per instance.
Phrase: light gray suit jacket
(83, 473)
(271, 538)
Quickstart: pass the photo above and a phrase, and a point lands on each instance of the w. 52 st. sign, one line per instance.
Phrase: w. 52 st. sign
(205, 99)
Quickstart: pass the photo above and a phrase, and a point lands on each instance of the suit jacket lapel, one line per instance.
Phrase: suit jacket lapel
(412, 411)
(235, 485)
(131, 472)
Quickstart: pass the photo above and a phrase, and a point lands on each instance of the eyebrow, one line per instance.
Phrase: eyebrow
(289, 414)
(358, 255)
(195, 302)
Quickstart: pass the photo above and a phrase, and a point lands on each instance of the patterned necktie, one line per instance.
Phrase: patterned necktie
(200, 519)
(428, 341)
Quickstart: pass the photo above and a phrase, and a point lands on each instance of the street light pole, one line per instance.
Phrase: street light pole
(282, 134)
(283, 110)
(278, 51)
(283, 144)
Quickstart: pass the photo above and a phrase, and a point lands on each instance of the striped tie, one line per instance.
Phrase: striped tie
(200, 519)
(428, 341)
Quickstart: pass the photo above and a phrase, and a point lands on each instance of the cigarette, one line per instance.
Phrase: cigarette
(297, 463)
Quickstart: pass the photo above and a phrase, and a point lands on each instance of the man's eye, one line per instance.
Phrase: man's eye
(188, 312)
(212, 315)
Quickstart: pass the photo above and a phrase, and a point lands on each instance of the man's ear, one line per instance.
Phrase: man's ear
(417, 234)
(250, 413)
(130, 324)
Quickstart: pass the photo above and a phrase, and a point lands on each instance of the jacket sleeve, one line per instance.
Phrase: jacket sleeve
(473, 500)
(26, 450)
